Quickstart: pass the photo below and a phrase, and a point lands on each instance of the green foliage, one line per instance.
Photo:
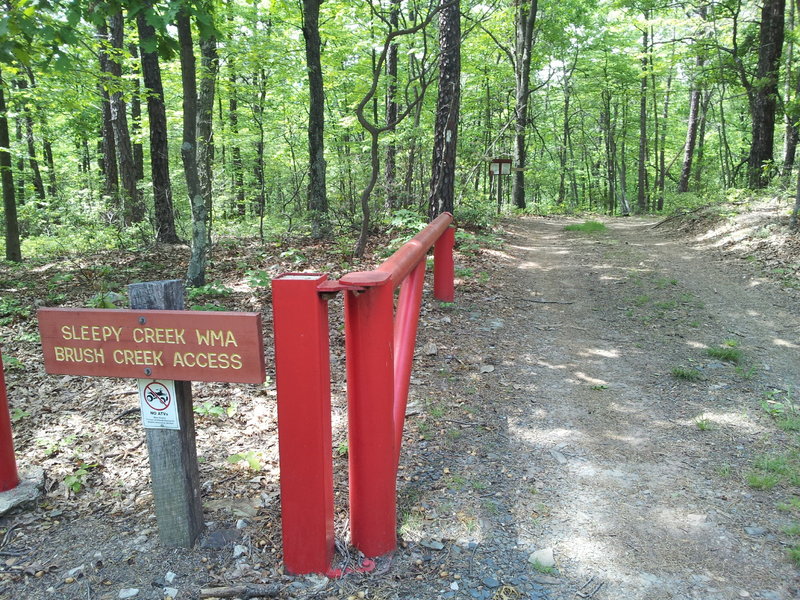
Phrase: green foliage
(17, 414)
(209, 290)
(258, 278)
(251, 458)
(76, 480)
(586, 227)
(211, 409)
(702, 423)
(12, 310)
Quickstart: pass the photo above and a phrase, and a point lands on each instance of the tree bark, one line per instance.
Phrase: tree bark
(30, 141)
(132, 210)
(691, 132)
(448, 103)
(159, 146)
(317, 194)
(237, 175)
(136, 125)
(642, 184)
(13, 252)
(763, 93)
(391, 110)
(197, 263)
(525, 20)
(209, 65)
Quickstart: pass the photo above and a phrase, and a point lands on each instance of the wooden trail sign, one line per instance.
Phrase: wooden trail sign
(182, 345)
(165, 348)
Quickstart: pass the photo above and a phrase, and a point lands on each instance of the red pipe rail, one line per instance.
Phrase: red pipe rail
(379, 347)
(9, 477)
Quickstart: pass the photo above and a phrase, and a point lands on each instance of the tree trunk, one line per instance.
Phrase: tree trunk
(701, 140)
(13, 252)
(448, 102)
(136, 126)
(47, 147)
(641, 196)
(159, 146)
(209, 65)
(132, 210)
(317, 194)
(691, 134)
(237, 174)
(525, 20)
(662, 168)
(391, 110)
(763, 93)
(197, 263)
(30, 141)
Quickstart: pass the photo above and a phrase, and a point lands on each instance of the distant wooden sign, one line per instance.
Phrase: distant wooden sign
(153, 344)
(500, 166)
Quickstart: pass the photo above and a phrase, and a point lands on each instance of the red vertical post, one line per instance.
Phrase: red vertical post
(405, 336)
(9, 478)
(302, 376)
(370, 397)
(443, 267)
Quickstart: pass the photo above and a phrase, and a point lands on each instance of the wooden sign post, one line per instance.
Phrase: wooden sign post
(166, 348)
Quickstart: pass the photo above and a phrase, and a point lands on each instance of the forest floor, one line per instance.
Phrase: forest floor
(625, 401)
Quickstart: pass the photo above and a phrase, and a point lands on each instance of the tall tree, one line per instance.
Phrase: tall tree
(159, 147)
(524, 22)
(642, 180)
(448, 105)
(317, 193)
(209, 66)
(197, 263)
(132, 210)
(762, 93)
(13, 252)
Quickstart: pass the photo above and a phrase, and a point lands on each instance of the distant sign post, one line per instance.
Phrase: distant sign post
(165, 348)
(498, 167)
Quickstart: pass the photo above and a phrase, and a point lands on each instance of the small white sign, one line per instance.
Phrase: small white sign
(159, 405)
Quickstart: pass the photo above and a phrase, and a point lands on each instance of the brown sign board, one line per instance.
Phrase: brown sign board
(182, 345)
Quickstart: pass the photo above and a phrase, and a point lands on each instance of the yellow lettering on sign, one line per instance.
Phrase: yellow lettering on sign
(207, 360)
(91, 333)
(158, 335)
(79, 355)
(216, 337)
(138, 357)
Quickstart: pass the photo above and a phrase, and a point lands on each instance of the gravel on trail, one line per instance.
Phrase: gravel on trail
(569, 436)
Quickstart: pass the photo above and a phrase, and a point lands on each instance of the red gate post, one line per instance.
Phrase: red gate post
(9, 477)
(443, 268)
(370, 398)
(302, 376)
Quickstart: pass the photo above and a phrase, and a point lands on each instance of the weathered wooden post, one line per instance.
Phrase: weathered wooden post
(173, 454)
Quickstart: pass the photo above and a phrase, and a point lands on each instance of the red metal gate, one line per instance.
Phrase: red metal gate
(379, 345)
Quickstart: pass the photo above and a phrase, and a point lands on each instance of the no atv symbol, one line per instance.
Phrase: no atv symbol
(158, 406)
(157, 396)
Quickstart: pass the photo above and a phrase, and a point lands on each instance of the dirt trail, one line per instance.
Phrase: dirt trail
(544, 414)
(634, 477)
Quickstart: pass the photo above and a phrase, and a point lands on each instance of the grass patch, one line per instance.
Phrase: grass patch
(780, 405)
(762, 481)
(687, 374)
(703, 423)
(586, 227)
(726, 353)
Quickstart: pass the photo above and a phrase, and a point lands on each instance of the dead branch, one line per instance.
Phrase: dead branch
(243, 591)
